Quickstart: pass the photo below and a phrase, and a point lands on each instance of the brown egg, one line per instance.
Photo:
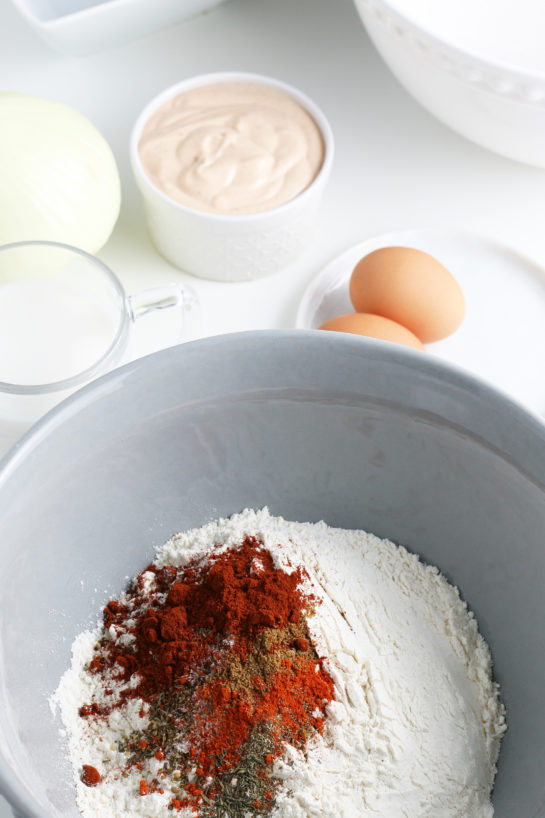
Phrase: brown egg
(410, 287)
(373, 326)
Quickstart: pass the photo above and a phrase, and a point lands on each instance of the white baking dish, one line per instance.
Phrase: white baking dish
(83, 26)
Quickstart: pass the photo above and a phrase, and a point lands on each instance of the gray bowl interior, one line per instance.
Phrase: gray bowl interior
(314, 426)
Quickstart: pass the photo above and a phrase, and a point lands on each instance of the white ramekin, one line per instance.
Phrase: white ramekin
(231, 248)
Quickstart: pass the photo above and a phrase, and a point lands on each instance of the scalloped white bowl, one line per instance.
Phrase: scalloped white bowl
(465, 70)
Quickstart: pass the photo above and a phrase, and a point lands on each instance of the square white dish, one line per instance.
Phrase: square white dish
(80, 27)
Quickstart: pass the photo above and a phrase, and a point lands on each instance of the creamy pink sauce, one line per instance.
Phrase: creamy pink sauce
(231, 148)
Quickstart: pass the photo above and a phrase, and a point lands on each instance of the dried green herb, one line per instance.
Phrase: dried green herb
(248, 790)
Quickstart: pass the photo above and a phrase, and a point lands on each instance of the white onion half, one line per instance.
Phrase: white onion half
(58, 176)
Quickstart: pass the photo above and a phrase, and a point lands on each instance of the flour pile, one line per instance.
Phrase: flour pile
(415, 726)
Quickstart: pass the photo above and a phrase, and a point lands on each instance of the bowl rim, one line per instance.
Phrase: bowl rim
(217, 77)
(389, 354)
(530, 78)
(281, 342)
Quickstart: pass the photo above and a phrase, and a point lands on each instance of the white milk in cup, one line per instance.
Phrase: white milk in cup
(64, 320)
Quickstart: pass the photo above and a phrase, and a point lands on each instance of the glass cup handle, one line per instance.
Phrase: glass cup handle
(170, 296)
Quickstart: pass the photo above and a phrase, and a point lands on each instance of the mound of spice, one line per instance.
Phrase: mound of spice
(204, 691)
(219, 657)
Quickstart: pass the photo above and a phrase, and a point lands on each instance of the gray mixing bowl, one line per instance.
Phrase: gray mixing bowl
(316, 426)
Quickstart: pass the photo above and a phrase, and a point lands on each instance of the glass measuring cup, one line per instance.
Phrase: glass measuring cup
(65, 319)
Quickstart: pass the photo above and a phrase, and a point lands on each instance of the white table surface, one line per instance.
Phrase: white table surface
(395, 168)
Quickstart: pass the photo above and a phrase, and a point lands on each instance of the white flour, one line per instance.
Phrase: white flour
(415, 728)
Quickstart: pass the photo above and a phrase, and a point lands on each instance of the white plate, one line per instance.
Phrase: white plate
(502, 338)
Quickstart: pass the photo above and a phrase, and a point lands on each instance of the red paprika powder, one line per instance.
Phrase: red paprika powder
(90, 775)
(220, 653)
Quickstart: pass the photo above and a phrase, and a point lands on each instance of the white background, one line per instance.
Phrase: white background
(395, 167)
